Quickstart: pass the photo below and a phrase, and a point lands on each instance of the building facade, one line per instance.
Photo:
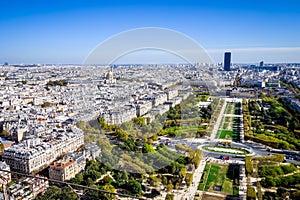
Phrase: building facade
(27, 156)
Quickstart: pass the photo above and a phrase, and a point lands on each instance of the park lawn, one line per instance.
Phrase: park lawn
(229, 108)
(219, 133)
(187, 130)
(227, 187)
(212, 176)
(232, 108)
(225, 125)
(226, 134)
(228, 119)
(218, 176)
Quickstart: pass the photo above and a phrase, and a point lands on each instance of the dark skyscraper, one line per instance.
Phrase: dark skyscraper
(261, 64)
(227, 61)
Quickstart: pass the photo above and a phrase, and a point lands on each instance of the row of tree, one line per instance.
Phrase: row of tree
(281, 181)
(274, 170)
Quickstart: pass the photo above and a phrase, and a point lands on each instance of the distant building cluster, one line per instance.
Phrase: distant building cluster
(137, 93)
(261, 79)
(291, 74)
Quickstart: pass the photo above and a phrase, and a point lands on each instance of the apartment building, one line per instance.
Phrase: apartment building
(37, 154)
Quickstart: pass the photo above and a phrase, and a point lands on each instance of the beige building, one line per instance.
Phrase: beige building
(62, 170)
(68, 167)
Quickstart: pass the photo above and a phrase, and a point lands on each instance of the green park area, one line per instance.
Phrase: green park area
(188, 119)
(272, 173)
(220, 178)
(233, 108)
(225, 134)
(273, 122)
(230, 125)
(230, 128)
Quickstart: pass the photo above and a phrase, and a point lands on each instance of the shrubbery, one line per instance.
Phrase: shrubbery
(283, 181)
(266, 170)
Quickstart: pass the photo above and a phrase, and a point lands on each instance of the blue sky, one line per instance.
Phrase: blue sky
(60, 31)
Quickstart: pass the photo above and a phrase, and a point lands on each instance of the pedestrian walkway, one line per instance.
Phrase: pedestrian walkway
(191, 191)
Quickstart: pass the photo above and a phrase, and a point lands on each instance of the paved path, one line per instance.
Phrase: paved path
(232, 115)
(191, 191)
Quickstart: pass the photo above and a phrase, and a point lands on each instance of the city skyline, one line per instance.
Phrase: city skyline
(64, 32)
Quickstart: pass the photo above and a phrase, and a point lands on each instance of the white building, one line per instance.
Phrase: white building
(119, 115)
(143, 107)
(29, 156)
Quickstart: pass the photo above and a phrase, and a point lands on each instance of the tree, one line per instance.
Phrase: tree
(189, 179)
(197, 157)
(81, 124)
(169, 197)
(182, 172)
(89, 181)
(1, 148)
(134, 187)
(78, 179)
(170, 187)
(5, 133)
(296, 195)
(288, 168)
(140, 121)
(248, 165)
(122, 135)
(147, 148)
(110, 188)
(251, 194)
(54, 193)
(46, 104)
(164, 180)
(268, 182)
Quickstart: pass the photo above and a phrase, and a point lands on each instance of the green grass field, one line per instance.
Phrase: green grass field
(226, 134)
(224, 176)
(230, 128)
